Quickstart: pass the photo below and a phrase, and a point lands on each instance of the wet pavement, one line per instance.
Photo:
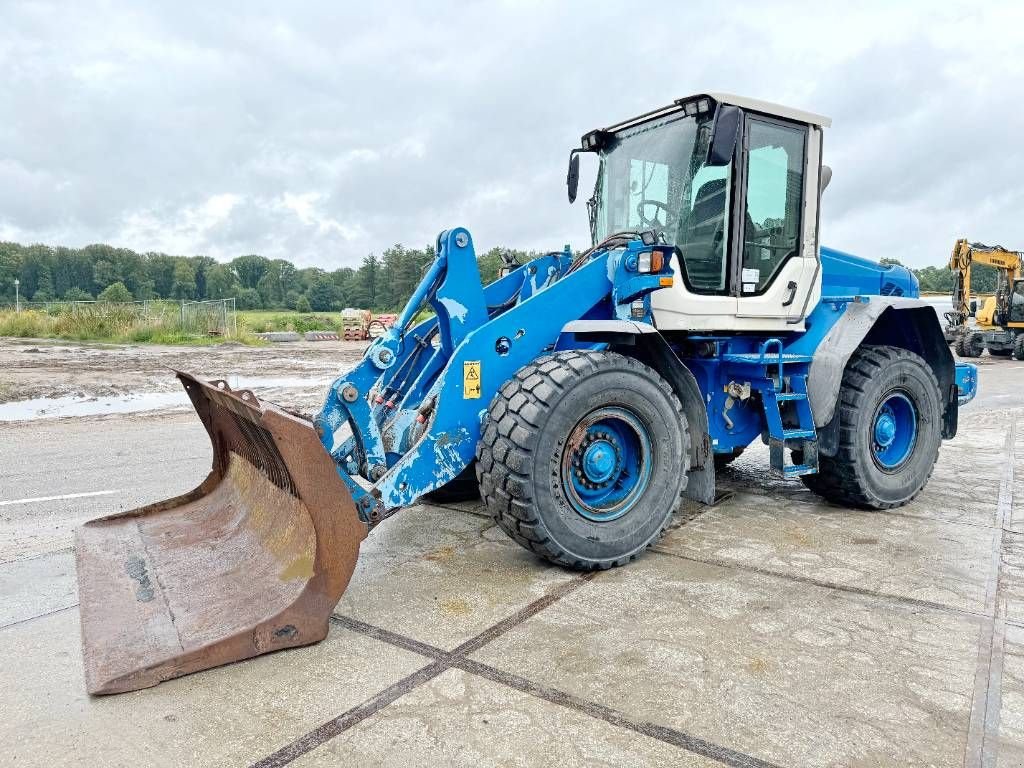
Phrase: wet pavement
(771, 630)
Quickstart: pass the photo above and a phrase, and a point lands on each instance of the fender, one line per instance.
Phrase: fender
(645, 343)
(901, 322)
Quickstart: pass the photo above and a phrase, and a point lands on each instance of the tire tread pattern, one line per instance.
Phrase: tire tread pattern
(840, 478)
(505, 453)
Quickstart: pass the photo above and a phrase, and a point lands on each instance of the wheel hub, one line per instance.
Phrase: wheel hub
(885, 429)
(599, 459)
(606, 464)
(894, 433)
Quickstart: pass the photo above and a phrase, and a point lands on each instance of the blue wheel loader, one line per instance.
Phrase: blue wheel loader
(582, 395)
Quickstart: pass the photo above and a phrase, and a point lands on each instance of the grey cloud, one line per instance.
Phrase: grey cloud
(319, 132)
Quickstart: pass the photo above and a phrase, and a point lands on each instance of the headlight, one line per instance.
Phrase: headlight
(650, 261)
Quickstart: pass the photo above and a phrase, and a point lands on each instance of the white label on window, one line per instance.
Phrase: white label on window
(751, 276)
(749, 287)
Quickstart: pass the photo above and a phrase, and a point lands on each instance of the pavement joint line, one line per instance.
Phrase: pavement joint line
(352, 717)
(860, 591)
(666, 734)
(671, 736)
(986, 703)
(40, 616)
(343, 722)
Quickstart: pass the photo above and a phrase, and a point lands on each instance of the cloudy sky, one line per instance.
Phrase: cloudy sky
(320, 131)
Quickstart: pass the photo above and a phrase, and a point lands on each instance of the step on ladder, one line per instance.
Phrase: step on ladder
(775, 391)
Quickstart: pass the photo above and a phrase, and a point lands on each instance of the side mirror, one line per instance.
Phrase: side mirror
(572, 178)
(724, 135)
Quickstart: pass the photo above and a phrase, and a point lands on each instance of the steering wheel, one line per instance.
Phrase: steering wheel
(653, 221)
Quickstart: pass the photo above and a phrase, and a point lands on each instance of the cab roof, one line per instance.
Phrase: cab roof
(751, 105)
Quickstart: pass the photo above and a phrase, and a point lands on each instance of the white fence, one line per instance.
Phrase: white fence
(215, 317)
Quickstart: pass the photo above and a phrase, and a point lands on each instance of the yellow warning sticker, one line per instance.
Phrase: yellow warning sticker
(471, 380)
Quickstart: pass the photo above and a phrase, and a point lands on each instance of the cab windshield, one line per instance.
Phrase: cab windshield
(653, 177)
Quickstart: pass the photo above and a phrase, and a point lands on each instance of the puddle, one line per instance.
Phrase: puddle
(70, 406)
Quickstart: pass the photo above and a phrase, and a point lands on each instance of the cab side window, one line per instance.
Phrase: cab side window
(775, 182)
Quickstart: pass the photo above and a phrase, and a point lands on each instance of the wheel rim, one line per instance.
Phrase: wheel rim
(606, 464)
(894, 431)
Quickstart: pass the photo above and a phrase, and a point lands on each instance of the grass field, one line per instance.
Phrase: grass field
(123, 324)
(263, 320)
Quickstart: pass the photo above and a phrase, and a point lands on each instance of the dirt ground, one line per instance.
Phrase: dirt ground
(293, 374)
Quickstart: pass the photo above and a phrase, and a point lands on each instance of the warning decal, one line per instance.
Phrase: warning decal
(471, 380)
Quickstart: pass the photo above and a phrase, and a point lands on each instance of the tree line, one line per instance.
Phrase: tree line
(55, 273)
(381, 283)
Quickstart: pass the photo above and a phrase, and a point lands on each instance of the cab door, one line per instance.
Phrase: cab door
(776, 275)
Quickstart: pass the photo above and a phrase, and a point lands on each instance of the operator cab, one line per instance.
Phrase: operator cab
(1015, 303)
(734, 184)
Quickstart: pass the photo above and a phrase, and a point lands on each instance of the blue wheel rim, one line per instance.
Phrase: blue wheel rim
(894, 430)
(606, 464)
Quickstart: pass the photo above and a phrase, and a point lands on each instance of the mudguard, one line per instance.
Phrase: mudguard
(645, 343)
(898, 321)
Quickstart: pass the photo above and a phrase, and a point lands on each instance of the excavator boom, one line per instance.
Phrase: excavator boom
(1000, 318)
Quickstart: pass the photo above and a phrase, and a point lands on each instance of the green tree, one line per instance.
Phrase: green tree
(249, 298)
(322, 295)
(366, 283)
(221, 282)
(202, 266)
(116, 293)
(184, 285)
(104, 273)
(77, 294)
(44, 284)
(250, 269)
(160, 271)
(302, 305)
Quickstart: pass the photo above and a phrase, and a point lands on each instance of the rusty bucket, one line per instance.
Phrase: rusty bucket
(252, 561)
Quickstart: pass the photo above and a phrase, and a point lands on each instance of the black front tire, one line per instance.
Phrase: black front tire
(521, 456)
(853, 477)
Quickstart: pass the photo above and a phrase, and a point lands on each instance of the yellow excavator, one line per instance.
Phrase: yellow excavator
(999, 320)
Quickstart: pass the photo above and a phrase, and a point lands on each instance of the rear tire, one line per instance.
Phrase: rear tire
(1018, 347)
(890, 427)
(969, 344)
(584, 458)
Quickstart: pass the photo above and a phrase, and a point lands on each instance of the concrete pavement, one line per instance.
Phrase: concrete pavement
(770, 630)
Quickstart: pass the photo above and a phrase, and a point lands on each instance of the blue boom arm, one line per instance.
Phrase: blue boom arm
(406, 420)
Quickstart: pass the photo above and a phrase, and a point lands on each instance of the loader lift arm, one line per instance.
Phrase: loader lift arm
(392, 402)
